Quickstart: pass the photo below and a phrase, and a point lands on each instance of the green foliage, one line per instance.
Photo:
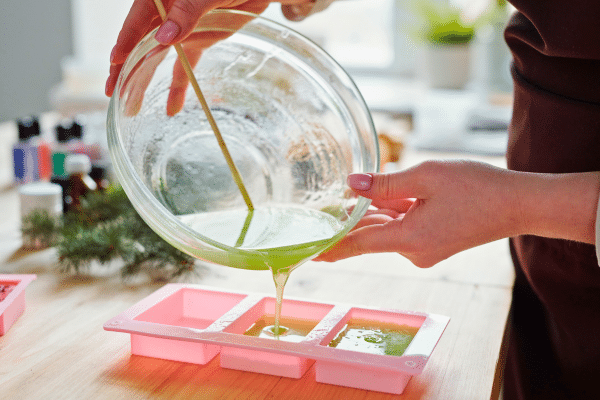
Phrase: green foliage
(40, 228)
(104, 228)
(442, 23)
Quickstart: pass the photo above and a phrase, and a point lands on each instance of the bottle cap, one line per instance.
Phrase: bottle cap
(28, 127)
(78, 164)
(77, 130)
(63, 133)
(43, 196)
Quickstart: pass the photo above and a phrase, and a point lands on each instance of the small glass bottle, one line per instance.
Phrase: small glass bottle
(78, 167)
(25, 152)
(100, 175)
(44, 156)
(60, 150)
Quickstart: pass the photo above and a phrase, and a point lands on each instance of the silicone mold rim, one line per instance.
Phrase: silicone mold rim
(411, 362)
(13, 304)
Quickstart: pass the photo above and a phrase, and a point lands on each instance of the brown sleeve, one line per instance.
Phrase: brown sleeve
(556, 115)
(598, 232)
(556, 46)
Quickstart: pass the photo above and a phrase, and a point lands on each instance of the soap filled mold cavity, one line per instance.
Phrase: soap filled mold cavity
(194, 324)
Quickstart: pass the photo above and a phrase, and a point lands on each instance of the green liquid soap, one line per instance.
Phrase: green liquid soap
(391, 340)
(279, 238)
(294, 331)
(280, 278)
(267, 230)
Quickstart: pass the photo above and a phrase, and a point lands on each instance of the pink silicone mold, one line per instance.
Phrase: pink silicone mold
(192, 323)
(12, 298)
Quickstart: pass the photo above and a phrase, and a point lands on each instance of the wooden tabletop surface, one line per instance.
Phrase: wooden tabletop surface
(58, 349)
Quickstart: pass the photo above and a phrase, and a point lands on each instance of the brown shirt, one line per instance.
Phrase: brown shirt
(554, 348)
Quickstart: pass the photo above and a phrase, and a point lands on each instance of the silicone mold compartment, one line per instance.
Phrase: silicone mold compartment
(12, 298)
(192, 323)
(367, 371)
(185, 310)
(294, 311)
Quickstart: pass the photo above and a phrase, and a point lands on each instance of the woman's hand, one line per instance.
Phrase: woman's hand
(436, 209)
(182, 17)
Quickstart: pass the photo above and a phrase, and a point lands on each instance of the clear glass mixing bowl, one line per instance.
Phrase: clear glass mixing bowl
(292, 119)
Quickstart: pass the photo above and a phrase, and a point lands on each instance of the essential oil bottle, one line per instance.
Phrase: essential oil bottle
(61, 150)
(78, 167)
(25, 156)
(44, 158)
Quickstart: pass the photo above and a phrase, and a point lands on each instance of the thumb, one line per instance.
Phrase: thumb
(375, 238)
(388, 186)
(181, 19)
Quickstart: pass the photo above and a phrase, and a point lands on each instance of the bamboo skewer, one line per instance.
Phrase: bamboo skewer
(244, 232)
(190, 74)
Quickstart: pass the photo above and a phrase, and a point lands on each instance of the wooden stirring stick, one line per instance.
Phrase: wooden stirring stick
(190, 74)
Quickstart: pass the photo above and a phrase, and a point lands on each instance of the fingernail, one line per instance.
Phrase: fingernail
(167, 32)
(112, 54)
(360, 181)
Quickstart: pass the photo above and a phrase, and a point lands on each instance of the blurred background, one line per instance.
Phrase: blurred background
(435, 73)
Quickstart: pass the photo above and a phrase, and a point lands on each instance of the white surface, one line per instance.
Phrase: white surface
(441, 118)
(96, 26)
(43, 196)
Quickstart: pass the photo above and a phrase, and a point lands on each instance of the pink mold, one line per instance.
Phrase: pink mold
(192, 323)
(12, 298)
(368, 371)
(268, 362)
(184, 309)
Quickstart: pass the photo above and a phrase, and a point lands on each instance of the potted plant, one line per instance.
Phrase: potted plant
(447, 37)
(497, 57)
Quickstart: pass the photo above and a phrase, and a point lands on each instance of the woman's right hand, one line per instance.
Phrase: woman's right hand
(430, 212)
(436, 209)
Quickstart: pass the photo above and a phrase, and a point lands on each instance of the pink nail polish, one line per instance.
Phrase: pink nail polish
(167, 32)
(360, 181)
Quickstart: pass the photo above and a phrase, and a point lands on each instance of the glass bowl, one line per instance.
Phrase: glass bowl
(292, 119)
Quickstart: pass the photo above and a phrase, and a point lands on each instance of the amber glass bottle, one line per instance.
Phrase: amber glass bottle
(78, 167)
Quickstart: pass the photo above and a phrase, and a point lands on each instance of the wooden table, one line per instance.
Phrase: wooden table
(58, 349)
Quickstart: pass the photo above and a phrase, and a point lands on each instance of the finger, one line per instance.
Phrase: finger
(180, 82)
(193, 46)
(176, 99)
(376, 238)
(255, 7)
(111, 82)
(374, 219)
(140, 78)
(149, 62)
(383, 211)
(389, 186)
(182, 18)
(401, 206)
(389, 212)
(140, 20)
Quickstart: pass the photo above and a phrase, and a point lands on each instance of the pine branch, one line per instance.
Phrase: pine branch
(104, 228)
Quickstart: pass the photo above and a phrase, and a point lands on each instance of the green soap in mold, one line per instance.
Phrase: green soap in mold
(293, 331)
(374, 339)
